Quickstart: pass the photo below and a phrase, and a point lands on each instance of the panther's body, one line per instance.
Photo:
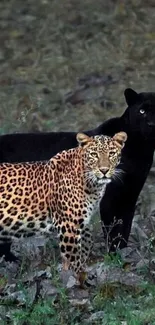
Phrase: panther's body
(62, 192)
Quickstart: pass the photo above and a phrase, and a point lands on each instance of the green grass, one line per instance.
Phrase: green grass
(136, 307)
(131, 304)
(53, 311)
(124, 304)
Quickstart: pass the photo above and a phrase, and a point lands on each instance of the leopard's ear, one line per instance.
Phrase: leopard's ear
(131, 96)
(82, 139)
(120, 139)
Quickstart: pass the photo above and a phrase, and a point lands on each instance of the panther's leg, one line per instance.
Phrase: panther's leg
(5, 250)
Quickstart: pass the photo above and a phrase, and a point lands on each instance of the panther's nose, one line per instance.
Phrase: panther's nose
(104, 170)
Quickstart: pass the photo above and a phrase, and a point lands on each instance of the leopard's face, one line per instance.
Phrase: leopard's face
(101, 156)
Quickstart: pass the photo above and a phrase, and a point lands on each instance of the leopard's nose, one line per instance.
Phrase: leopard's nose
(104, 170)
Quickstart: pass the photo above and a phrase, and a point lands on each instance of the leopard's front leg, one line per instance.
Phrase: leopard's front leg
(70, 247)
(75, 244)
(86, 244)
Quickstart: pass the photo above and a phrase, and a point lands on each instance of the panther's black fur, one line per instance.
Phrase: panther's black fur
(119, 201)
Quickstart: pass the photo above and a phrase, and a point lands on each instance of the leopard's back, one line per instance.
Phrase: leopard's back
(24, 203)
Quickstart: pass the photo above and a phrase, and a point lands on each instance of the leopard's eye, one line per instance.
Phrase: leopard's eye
(94, 155)
(115, 157)
(142, 111)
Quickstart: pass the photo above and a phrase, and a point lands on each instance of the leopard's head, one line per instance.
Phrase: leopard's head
(101, 155)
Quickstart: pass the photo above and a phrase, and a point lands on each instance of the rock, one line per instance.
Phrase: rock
(8, 270)
(68, 279)
(71, 282)
(47, 289)
(9, 289)
(78, 293)
(126, 252)
(138, 234)
(44, 273)
(32, 275)
(79, 302)
(13, 294)
(31, 293)
(17, 297)
(110, 274)
(29, 247)
(130, 255)
(95, 316)
(142, 263)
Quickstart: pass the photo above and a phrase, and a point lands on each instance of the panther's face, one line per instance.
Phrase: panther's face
(141, 108)
(101, 155)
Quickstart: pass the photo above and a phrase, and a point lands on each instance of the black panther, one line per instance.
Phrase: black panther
(138, 121)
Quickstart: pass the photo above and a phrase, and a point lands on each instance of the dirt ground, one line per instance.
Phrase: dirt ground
(64, 65)
(93, 49)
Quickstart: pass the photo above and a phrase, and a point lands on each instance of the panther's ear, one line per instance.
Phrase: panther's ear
(120, 139)
(82, 139)
(131, 96)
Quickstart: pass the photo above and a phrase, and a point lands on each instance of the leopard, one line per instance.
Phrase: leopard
(62, 193)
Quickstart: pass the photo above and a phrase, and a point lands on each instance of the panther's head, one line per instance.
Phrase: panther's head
(101, 154)
(141, 112)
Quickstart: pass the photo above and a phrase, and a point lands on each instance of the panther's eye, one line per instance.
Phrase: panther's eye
(94, 155)
(142, 111)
